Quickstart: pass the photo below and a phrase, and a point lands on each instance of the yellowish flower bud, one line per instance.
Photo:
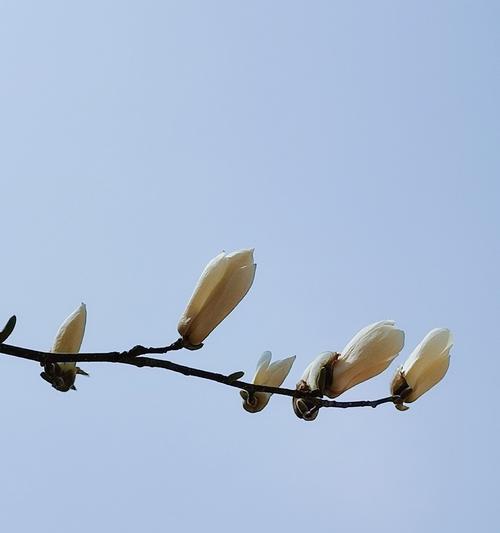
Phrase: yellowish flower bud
(365, 356)
(70, 334)
(68, 340)
(221, 287)
(426, 366)
(272, 375)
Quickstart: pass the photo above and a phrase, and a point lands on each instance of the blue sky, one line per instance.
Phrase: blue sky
(355, 146)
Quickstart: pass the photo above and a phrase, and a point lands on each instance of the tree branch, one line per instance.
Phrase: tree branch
(134, 357)
(98, 357)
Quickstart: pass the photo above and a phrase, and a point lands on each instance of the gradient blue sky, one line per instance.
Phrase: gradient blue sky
(355, 146)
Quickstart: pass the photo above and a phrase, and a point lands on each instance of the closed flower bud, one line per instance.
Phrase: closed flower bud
(366, 355)
(426, 366)
(221, 287)
(68, 340)
(271, 375)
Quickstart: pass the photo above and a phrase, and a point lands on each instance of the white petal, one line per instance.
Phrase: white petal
(210, 277)
(378, 338)
(262, 366)
(241, 258)
(270, 375)
(433, 375)
(366, 355)
(278, 372)
(222, 285)
(428, 363)
(70, 334)
(437, 341)
(226, 296)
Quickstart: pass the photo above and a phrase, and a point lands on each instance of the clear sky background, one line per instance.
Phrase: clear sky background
(355, 146)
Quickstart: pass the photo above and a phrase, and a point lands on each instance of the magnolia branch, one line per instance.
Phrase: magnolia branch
(135, 357)
(224, 282)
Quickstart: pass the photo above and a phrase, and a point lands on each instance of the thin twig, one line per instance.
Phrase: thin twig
(134, 357)
(358, 403)
(97, 357)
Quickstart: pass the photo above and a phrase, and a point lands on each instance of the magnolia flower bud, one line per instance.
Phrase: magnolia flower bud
(68, 340)
(221, 287)
(426, 366)
(367, 354)
(268, 374)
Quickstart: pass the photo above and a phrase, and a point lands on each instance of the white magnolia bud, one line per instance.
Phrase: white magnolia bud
(68, 340)
(365, 356)
(271, 375)
(221, 287)
(426, 366)
(70, 334)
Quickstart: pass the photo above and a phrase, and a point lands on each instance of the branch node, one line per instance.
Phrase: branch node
(135, 351)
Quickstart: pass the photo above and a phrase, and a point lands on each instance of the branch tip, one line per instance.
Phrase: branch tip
(8, 329)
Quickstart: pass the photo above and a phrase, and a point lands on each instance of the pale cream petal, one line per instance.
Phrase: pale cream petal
(346, 376)
(366, 355)
(278, 371)
(226, 296)
(374, 340)
(210, 277)
(270, 375)
(240, 258)
(425, 381)
(428, 363)
(360, 336)
(222, 285)
(262, 366)
(70, 334)
(437, 341)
